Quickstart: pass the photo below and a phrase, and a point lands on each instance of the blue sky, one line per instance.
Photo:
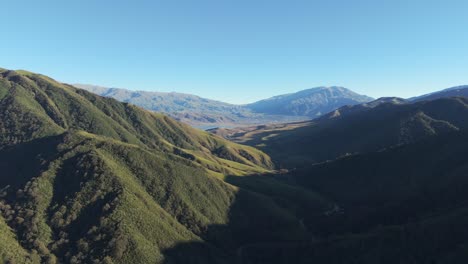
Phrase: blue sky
(241, 50)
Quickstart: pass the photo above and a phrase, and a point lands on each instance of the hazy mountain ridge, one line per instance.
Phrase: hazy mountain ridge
(311, 102)
(203, 112)
(461, 90)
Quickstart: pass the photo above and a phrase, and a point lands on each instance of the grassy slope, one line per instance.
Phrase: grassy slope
(91, 179)
(10, 249)
(51, 108)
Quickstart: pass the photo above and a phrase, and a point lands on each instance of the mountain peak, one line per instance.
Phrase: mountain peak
(311, 102)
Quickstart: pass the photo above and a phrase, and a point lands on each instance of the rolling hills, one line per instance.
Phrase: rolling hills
(396, 172)
(87, 179)
(355, 129)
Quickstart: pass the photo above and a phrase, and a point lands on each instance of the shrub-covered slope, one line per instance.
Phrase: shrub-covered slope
(86, 179)
(404, 203)
(35, 106)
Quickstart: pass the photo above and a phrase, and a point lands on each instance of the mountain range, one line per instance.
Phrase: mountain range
(300, 106)
(206, 113)
(89, 179)
(395, 170)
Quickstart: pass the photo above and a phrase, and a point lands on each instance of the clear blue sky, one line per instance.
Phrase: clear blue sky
(241, 50)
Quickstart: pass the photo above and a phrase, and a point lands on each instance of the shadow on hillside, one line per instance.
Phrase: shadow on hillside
(271, 223)
(251, 238)
(21, 162)
(260, 230)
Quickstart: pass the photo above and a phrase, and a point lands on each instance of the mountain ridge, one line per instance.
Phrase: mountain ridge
(88, 179)
(201, 112)
(461, 90)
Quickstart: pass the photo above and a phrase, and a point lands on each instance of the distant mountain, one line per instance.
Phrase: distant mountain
(461, 90)
(352, 109)
(164, 102)
(355, 129)
(311, 102)
(89, 179)
(205, 113)
(188, 108)
(396, 170)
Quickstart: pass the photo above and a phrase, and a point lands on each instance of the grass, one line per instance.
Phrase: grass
(87, 179)
(10, 249)
(108, 181)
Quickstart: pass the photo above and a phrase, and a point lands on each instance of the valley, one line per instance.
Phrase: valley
(89, 179)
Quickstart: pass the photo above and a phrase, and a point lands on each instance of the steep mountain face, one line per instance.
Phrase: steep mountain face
(207, 113)
(87, 179)
(356, 129)
(312, 102)
(457, 91)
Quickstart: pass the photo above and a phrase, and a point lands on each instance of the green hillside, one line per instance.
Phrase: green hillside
(87, 179)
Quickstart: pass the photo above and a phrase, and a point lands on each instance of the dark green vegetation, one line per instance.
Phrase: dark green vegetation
(397, 173)
(89, 179)
(207, 113)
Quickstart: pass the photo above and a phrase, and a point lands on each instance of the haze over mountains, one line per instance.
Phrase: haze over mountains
(303, 105)
(89, 179)
(201, 112)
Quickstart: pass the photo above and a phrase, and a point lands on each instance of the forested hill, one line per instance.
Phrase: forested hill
(396, 171)
(88, 179)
